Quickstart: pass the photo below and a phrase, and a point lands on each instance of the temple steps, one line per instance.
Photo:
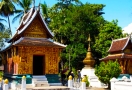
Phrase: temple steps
(40, 81)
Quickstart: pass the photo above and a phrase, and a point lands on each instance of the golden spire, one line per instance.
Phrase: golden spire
(89, 41)
(89, 61)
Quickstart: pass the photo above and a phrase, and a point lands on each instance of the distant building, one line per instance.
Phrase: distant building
(121, 50)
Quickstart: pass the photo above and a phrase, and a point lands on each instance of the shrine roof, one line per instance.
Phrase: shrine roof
(27, 20)
(27, 41)
(119, 44)
(117, 56)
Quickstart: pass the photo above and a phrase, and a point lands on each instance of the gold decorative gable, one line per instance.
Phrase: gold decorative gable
(36, 29)
(127, 51)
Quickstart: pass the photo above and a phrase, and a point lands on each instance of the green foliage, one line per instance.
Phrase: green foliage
(1, 73)
(108, 32)
(106, 71)
(87, 82)
(4, 34)
(72, 25)
(25, 7)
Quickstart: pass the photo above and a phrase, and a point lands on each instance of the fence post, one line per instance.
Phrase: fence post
(112, 82)
(70, 82)
(83, 87)
(5, 86)
(23, 85)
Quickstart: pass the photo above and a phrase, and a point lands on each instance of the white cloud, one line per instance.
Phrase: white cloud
(128, 29)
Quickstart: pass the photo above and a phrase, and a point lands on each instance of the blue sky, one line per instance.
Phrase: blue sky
(114, 9)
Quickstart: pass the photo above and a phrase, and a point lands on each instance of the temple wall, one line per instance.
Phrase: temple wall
(25, 65)
(21, 62)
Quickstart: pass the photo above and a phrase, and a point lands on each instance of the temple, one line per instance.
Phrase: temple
(121, 50)
(31, 50)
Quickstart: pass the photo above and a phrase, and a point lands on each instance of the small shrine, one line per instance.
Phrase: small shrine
(88, 69)
(121, 50)
(89, 60)
(31, 50)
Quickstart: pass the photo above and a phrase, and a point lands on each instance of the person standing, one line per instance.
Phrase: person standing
(63, 77)
(79, 75)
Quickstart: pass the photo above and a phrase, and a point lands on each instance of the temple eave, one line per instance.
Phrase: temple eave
(121, 56)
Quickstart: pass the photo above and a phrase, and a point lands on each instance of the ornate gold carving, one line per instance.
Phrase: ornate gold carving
(127, 51)
(51, 59)
(36, 29)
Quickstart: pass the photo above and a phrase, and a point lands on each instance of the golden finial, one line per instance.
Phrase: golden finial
(70, 77)
(83, 79)
(89, 39)
(23, 77)
(6, 81)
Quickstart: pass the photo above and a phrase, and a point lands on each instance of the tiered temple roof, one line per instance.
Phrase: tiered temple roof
(19, 39)
(120, 49)
(119, 44)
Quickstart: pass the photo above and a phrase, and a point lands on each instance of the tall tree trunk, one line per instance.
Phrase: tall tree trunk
(9, 25)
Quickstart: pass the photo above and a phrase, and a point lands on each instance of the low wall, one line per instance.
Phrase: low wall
(124, 84)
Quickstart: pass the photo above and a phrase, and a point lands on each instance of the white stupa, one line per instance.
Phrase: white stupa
(89, 68)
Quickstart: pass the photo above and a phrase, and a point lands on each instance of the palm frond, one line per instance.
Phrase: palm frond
(17, 16)
(2, 27)
(3, 20)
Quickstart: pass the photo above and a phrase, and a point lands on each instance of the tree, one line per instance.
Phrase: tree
(72, 26)
(44, 9)
(106, 71)
(25, 7)
(2, 27)
(7, 8)
(108, 32)
(4, 35)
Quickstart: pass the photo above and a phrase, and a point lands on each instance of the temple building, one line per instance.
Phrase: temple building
(31, 50)
(121, 50)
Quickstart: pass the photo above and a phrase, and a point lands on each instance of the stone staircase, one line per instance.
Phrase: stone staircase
(40, 81)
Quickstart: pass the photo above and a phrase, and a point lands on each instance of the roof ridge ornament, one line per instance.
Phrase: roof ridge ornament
(38, 7)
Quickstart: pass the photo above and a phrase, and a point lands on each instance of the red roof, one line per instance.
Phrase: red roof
(119, 44)
(27, 41)
(117, 56)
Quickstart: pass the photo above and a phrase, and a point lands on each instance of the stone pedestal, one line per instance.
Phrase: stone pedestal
(92, 78)
(5, 87)
(88, 71)
(70, 84)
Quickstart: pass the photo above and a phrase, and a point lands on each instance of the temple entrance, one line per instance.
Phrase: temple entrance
(38, 65)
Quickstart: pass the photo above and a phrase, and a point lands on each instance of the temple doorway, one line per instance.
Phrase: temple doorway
(38, 65)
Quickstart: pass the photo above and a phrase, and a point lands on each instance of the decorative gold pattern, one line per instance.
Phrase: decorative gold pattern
(23, 59)
(127, 51)
(26, 62)
(36, 29)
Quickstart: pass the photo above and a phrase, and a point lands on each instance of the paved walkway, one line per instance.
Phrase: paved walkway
(93, 88)
(58, 88)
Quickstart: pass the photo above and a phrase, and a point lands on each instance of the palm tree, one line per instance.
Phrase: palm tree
(6, 9)
(44, 10)
(25, 5)
(2, 27)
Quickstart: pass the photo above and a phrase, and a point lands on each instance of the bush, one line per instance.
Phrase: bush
(1, 73)
(86, 80)
(106, 71)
